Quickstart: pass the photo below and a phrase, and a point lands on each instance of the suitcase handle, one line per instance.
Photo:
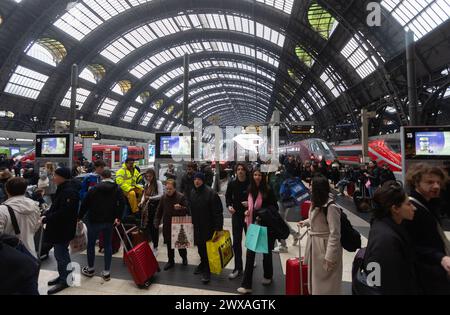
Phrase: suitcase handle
(121, 239)
(300, 256)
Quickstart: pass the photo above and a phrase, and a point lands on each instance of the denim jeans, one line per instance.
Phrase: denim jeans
(63, 260)
(94, 230)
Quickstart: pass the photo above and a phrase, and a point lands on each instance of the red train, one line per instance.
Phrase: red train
(382, 150)
(99, 151)
(310, 149)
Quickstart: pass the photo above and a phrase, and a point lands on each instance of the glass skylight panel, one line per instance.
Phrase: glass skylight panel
(141, 36)
(40, 53)
(306, 105)
(283, 5)
(107, 107)
(142, 69)
(169, 125)
(317, 97)
(174, 90)
(299, 113)
(82, 95)
(78, 21)
(159, 123)
(117, 89)
(333, 81)
(87, 75)
(421, 16)
(25, 82)
(117, 50)
(129, 115)
(358, 57)
(107, 8)
(146, 119)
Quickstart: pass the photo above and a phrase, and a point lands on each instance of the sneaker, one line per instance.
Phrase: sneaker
(243, 290)
(155, 251)
(57, 288)
(87, 272)
(266, 281)
(106, 276)
(280, 249)
(235, 274)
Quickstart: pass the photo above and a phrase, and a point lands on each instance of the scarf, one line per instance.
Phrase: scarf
(253, 205)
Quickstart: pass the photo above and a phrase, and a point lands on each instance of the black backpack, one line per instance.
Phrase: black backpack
(2, 193)
(350, 238)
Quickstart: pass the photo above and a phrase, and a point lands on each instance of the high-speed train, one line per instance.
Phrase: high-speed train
(383, 150)
(310, 149)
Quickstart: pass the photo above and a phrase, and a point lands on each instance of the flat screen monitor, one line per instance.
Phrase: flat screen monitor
(56, 145)
(123, 153)
(14, 151)
(170, 145)
(151, 153)
(427, 143)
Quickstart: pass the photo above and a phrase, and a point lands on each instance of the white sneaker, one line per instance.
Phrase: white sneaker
(280, 249)
(155, 251)
(242, 290)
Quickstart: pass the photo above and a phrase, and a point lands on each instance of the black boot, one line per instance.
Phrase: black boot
(58, 288)
(53, 282)
(169, 265)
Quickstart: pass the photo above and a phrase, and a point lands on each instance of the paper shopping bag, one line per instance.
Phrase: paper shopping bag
(79, 243)
(220, 251)
(182, 232)
(256, 239)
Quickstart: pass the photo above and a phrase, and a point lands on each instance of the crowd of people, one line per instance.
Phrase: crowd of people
(406, 238)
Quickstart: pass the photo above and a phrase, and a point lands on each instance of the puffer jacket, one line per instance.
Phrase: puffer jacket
(126, 179)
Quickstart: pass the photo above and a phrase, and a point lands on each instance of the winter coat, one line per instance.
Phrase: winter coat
(429, 246)
(187, 184)
(103, 204)
(61, 218)
(127, 180)
(16, 268)
(166, 211)
(207, 213)
(237, 193)
(386, 175)
(324, 243)
(390, 246)
(27, 214)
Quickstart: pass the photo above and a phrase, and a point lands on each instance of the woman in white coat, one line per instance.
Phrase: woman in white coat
(323, 250)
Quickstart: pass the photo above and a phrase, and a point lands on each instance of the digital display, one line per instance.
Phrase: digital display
(54, 146)
(123, 153)
(175, 145)
(433, 143)
(14, 151)
(151, 153)
(427, 143)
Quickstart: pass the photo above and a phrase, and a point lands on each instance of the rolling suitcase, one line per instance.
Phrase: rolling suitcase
(42, 248)
(351, 189)
(297, 273)
(304, 209)
(139, 259)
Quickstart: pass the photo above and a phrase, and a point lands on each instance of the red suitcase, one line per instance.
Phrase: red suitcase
(140, 261)
(294, 277)
(304, 209)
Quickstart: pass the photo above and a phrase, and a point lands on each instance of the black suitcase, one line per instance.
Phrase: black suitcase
(45, 247)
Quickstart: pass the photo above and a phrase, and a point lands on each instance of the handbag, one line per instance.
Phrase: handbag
(79, 243)
(256, 239)
(182, 232)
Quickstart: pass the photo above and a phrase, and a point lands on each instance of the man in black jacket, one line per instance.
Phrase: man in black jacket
(61, 220)
(104, 205)
(386, 174)
(237, 194)
(207, 217)
(431, 245)
(187, 181)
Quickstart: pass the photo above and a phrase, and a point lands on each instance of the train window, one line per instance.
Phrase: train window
(315, 146)
(394, 146)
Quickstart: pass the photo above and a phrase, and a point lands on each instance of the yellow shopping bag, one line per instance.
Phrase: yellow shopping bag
(220, 251)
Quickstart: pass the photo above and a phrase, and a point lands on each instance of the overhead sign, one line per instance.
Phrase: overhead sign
(89, 134)
(302, 129)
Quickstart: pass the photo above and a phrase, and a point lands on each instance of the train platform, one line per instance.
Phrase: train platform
(180, 280)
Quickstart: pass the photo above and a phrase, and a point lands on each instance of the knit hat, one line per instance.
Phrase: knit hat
(199, 175)
(5, 174)
(64, 172)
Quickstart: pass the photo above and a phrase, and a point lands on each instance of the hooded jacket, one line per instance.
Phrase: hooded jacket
(27, 214)
(126, 179)
(103, 203)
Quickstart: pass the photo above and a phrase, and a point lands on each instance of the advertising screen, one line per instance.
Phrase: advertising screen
(433, 143)
(175, 145)
(14, 151)
(123, 153)
(151, 153)
(170, 145)
(54, 146)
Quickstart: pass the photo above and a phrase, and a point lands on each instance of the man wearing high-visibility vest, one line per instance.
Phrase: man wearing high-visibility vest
(127, 178)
